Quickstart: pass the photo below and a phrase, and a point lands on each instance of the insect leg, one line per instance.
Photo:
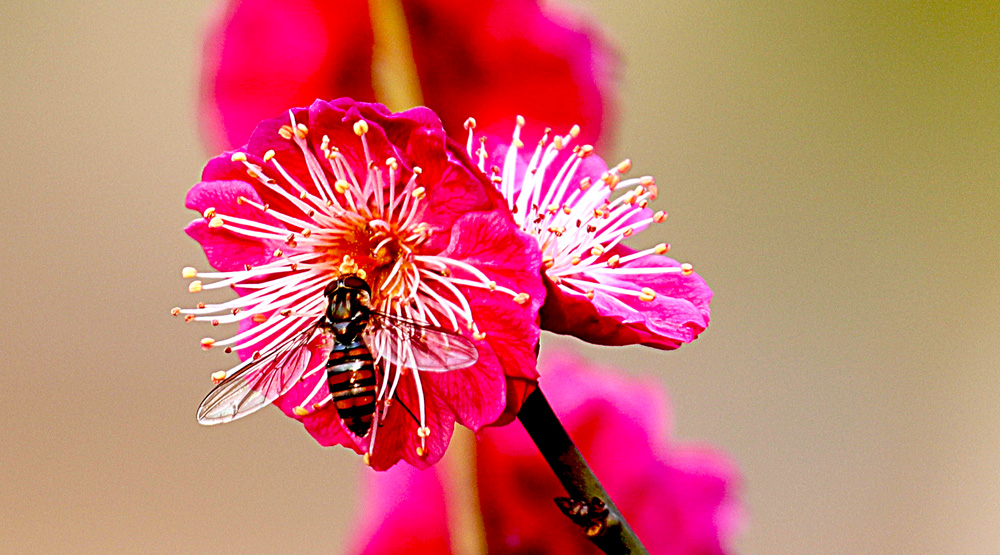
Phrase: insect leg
(398, 400)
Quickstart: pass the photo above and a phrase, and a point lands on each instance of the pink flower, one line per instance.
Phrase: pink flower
(580, 211)
(493, 58)
(345, 188)
(678, 499)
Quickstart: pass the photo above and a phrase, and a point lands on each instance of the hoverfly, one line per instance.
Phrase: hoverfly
(362, 340)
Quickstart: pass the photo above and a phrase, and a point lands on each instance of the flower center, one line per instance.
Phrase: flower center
(381, 250)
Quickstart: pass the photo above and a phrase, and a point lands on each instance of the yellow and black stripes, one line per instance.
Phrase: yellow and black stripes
(350, 373)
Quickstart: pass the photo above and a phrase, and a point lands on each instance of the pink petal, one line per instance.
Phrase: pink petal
(265, 138)
(402, 514)
(415, 137)
(489, 60)
(224, 249)
(461, 188)
(489, 241)
(396, 439)
(475, 395)
(494, 60)
(262, 56)
(679, 500)
(336, 119)
(678, 314)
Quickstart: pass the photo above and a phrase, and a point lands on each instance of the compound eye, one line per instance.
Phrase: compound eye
(364, 298)
(354, 282)
(331, 287)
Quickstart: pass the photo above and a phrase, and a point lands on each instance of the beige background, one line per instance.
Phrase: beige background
(834, 172)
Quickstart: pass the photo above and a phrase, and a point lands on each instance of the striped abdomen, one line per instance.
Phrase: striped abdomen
(350, 373)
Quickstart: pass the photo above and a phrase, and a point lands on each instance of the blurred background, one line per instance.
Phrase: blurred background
(832, 170)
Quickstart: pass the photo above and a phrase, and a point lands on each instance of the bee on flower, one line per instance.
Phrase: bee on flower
(369, 256)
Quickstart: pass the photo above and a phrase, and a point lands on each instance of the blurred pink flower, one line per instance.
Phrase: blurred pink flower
(345, 187)
(680, 500)
(492, 58)
(580, 211)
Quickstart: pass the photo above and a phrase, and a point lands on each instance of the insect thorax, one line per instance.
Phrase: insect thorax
(347, 314)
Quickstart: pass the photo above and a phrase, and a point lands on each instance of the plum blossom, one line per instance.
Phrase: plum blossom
(345, 187)
(493, 58)
(579, 211)
(680, 499)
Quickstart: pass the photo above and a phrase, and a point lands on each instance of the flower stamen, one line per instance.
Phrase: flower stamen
(576, 224)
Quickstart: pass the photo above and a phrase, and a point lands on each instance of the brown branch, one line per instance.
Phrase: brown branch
(588, 504)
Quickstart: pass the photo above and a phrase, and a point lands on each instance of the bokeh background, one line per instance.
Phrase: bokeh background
(832, 169)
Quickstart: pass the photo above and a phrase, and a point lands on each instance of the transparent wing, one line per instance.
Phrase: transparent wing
(255, 384)
(417, 345)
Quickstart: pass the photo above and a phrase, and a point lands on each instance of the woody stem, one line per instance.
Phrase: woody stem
(613, 535)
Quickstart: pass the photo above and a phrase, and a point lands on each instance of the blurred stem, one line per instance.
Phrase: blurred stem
(465, 517)
(572, 469)
(393, 68)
